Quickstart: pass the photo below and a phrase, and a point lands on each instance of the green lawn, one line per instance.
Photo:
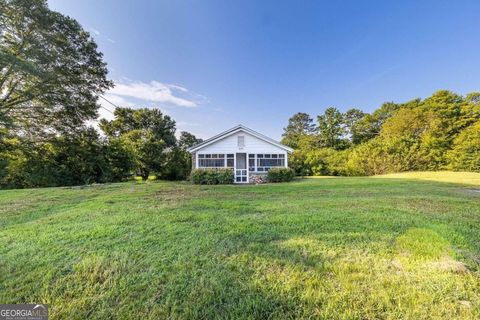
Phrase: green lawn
(390, 247)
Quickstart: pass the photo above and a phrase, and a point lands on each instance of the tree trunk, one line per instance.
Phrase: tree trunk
(144, 174)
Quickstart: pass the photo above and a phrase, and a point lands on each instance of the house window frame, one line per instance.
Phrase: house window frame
(256, 157)
(269, 156)
(214, 156)
(252, 156)
(230, 156)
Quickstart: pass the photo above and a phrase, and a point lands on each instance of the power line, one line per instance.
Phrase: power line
(113, 104)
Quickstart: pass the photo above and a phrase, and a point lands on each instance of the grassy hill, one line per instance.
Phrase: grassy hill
(401, 246)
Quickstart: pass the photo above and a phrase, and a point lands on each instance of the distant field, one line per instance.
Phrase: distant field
(403, 246)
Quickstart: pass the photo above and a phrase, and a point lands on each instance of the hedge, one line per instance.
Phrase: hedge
(212, 176)
(280, 175)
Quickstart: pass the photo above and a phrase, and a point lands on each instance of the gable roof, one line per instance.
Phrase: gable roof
(234, 130)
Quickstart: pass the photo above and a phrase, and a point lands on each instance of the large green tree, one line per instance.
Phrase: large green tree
(147, 134)
(50, 70)
(299, 125)
(179, 160)
(369, 126)
(187, 140)
(465, 153)
(148, 152)
(448, 115)
(351, 118)
(121, 161)
(51, 74)
(152, 119)
(331, 129)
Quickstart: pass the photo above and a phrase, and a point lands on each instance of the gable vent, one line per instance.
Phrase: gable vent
(241, 141)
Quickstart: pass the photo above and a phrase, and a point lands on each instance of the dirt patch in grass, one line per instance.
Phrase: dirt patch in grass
(172, 194)
(449, 265)
(474, 191)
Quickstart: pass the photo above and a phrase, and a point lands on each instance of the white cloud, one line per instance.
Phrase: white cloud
(110, 40)
(129, 93)
(179, 88)
(157, 92)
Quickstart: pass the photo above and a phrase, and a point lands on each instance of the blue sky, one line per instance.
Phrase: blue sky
(214, 64)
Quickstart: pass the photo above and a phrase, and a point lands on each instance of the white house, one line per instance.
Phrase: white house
(248, 152)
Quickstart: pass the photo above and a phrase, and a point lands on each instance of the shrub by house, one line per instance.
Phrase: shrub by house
(212, 176)
(280, 175)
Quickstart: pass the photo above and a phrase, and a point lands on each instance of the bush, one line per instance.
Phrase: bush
(212, 176)
(225, 176)
(296, 161)
(465, 155)
(280, 175)
(326, 161)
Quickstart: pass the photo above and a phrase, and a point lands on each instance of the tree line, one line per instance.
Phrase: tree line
(441, 132)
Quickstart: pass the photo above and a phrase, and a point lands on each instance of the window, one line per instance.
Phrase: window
(211, 160)
(241, 141)
(241, 175)
(262, 161)
(267, 161)
(230, 160)
(251, 162)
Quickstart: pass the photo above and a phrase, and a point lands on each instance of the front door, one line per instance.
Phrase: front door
(241, 170)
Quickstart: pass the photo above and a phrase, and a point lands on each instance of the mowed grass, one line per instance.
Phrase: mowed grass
(390, 247)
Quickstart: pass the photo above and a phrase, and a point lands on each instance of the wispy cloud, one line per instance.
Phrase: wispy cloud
(157, 92)
(129, 93)
(174, 100)
(187, 124)
(95, 31)
(99, 36)
(376, 77)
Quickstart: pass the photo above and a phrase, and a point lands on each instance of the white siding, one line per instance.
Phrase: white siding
(230, 145)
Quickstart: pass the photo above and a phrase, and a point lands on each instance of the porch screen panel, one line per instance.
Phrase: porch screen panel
(267, 161)
(230, 160)
(211, 160)
(251, 162)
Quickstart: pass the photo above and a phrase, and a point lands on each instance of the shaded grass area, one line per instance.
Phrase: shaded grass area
(391, 247)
